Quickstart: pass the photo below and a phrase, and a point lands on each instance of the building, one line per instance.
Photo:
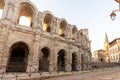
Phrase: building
(86, 55)
(114, 50)
(29, 37)
(99, 56)
(111, 51)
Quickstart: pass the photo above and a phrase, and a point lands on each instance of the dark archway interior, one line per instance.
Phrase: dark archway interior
(61, 60)
(82, 60)
(74, 62)
(18, 58)
(102, 60)
(44, 60)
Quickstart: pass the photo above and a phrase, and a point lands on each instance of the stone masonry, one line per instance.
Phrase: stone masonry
(47, 43)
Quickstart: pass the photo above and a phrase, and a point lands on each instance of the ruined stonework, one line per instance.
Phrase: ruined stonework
(45, 42)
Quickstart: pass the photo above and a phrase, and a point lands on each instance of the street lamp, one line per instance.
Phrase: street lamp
(113, 15)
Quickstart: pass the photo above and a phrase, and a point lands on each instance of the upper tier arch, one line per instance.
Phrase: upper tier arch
(48, 21)
(27, 9)
(63, 28)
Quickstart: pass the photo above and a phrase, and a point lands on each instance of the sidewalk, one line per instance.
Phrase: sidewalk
(72, 73)
(45, 75)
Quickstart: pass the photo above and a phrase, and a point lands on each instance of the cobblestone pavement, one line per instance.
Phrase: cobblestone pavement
(109, 74)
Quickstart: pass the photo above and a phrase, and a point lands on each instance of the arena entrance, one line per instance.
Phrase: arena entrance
(18, 58)
(61, 60)
(44, 60)
(74, 62)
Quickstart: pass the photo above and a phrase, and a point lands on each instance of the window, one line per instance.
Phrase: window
(25, 21)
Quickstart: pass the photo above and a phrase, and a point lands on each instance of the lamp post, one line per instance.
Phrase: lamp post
(113, 15)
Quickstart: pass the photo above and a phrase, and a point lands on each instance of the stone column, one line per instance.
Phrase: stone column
(56, 24)
(36, 49)
(79, 60)
(53, 60)
(68, 60)
(8, 9)
(4, 49)
(33, 62)
(36, 46)
(78, 66)
(69, 32)
(55, 31)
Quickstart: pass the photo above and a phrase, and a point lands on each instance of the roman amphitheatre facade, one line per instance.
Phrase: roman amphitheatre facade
(45, 42)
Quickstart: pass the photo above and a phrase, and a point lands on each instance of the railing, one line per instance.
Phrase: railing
(16, 64)
(14, 75)
(17, 59)
(19, 67)
(100, 65)
(33, 71)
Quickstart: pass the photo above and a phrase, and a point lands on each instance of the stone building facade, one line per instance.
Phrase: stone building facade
(99, 55)
(111, 51)
(114, 50)
(45, 42)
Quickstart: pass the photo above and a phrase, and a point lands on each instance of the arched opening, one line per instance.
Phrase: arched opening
(61, 60)
(47, 25)
(18, 58)
(25, 15)
(2, 4)
(63, 28)
(101, 60)
(74, 33)
(24, 21)
(44, 60)
(74, 62)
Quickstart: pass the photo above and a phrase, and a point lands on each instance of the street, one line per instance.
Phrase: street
(107, 74)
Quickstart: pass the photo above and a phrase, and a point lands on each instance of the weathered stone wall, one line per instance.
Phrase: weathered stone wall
(35, 38)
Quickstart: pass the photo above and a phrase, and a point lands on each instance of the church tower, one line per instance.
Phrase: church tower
(106, 48)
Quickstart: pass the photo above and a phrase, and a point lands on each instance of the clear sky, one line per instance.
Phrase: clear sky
(91, 14)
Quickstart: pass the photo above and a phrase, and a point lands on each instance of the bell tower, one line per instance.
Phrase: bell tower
(106, 48)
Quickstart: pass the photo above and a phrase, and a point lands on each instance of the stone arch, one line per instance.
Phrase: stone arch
(61, 60)
(102, 60)
(18, 57)
(25, 14)
(26, 10)
(74, 61)
(44, 59)
(74, 33)
(63, 28)
(48, 21)
(2, 4)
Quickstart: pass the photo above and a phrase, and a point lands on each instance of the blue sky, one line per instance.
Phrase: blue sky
(91, 14)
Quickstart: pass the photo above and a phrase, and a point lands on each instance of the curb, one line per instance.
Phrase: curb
(71, 73)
